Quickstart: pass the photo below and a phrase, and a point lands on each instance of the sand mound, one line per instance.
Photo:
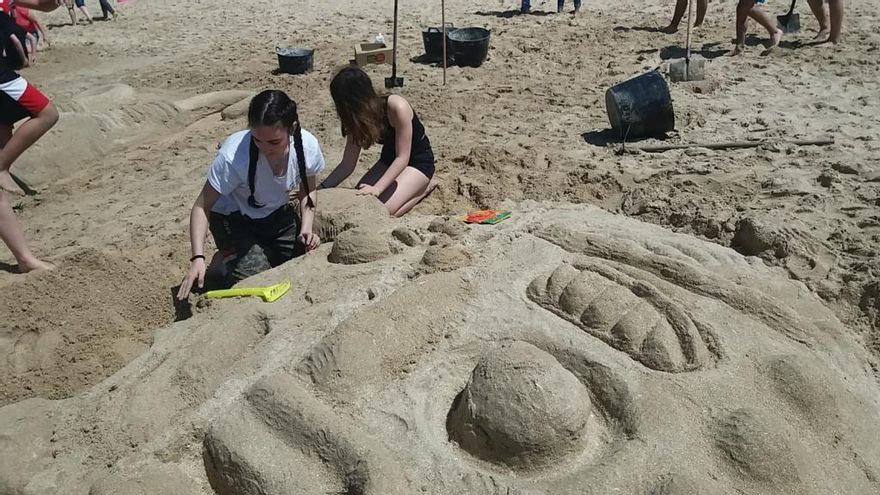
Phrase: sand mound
(520, 408)
(360, 245)
(344, 209)
(579, 342)
(62, 335)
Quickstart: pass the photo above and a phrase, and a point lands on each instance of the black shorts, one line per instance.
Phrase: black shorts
(250, 246)
(424, 163)
(18, 99)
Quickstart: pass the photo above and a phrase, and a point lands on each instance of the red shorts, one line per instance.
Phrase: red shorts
(19, 100)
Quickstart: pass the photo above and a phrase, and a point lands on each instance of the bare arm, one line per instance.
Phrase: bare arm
(346, 166)
(44, 35)
(198, 232)
(198, 218)
(306, 213)
(41, 5)
(400, 115)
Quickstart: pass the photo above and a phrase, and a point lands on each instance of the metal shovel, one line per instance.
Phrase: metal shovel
(394, 81)
(687, 69)
(790, 22)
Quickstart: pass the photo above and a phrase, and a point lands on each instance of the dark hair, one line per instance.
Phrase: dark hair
(361, 111)
(273, 107)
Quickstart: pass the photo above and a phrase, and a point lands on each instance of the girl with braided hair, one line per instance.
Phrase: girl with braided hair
(245, 202)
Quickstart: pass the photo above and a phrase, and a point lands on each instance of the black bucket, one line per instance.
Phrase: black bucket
(433, 38)
(640, 107)
(295, 60)
(468, 46)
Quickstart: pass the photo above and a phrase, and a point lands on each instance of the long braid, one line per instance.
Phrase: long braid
(301, 161)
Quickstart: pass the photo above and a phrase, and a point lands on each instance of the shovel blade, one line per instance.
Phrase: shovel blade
(789, 24)
(681, 70)
(393, 82)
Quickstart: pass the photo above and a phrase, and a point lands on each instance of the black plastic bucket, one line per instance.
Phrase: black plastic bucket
(640, 107)
(433, 39)
(468, 46)
(295, 60)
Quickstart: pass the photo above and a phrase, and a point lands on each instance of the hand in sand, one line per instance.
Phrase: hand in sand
(196, 272)
(368, 189)
(310, 241)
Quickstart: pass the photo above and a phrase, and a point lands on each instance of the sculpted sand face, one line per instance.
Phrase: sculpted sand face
(586, 353)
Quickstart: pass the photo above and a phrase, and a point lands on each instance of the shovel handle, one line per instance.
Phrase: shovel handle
(790, 11)
(233, 293)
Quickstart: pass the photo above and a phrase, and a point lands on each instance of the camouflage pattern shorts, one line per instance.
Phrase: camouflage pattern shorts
(250, 246)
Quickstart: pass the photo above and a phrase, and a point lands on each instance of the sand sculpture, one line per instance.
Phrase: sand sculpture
(572, 351)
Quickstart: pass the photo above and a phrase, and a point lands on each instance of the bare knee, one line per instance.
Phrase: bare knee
(49, 115)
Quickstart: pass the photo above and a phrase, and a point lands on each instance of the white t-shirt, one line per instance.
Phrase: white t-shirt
(229, 175)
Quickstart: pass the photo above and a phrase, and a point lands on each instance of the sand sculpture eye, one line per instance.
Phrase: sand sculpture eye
(521, 409)
(628, 314)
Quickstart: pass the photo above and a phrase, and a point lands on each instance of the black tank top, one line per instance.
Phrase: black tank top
(421, 147)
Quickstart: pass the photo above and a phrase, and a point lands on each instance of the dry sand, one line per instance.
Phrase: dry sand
(729, 374)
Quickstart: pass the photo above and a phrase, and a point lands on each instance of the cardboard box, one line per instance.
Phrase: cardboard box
(372, 53)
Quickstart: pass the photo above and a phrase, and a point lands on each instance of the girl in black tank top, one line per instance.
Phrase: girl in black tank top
(404, 173)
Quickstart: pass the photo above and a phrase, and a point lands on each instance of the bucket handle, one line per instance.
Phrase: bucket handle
(432, 29)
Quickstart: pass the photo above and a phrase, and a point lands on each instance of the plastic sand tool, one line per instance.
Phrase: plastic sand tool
(268, 294)
(489, 217)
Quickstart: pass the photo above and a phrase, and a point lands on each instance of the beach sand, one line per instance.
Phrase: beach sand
(141, 101)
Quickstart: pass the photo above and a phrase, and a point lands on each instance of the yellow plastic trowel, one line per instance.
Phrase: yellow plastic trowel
(268, 294)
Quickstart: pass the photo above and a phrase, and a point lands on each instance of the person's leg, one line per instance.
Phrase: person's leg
(27, 134)
(743, 8)
(418, 199)
(411, 184)
(85, 12)
(525, 6)
(107, 9)
(680, 8)
(71, 11)
(241, 253)
(13, 236)
(702, 6)
(765, 20)
(835, 8)
(82, 7)
(278, 235)
(820, 12)
(577, 6)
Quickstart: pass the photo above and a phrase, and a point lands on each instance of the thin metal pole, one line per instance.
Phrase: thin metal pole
(443, 21)
(687, 57)
(394, 51)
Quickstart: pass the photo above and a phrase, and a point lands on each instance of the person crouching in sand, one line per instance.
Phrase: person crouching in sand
(403, 176)
(245, 201)
(749, 8)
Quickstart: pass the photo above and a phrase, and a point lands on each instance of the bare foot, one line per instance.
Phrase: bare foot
(33, 265)
(775, 39)
(822, 35)
(7, 183)
(828, 43)
(670, 29)
(737, 50)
